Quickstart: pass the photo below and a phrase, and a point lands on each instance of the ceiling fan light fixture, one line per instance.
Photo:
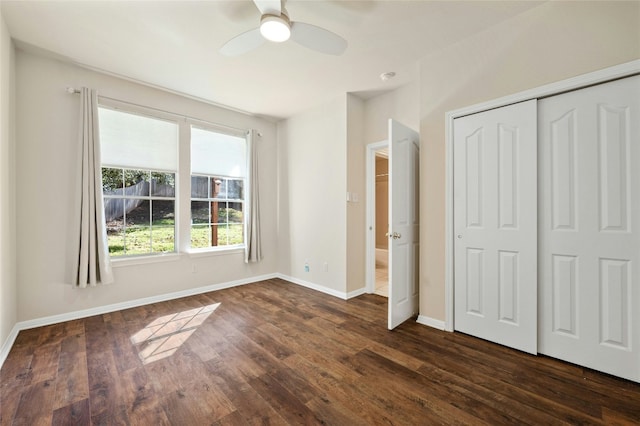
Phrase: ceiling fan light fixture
(275, 28)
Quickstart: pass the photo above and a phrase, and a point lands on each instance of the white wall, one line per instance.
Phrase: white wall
(401, 104)
(326, 148)
(548, 43)
(312, 155)
(8, 288)
(47, 122)
(356, 185)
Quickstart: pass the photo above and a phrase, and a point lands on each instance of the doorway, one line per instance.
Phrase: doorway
(378, 218)
(402, 227)
(381, 211)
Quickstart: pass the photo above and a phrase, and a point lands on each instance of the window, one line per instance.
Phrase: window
(141, 175)
(139, 165)
(218, 171)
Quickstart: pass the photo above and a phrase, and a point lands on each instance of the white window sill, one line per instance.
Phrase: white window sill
(142, 260)
(215, 252)
(172, 257)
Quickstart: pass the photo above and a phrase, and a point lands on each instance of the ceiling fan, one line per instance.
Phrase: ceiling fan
(276, 26)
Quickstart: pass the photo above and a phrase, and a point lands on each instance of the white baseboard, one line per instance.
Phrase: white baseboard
(431, 322)
(8, 344)
(356, 293)
(317, 287)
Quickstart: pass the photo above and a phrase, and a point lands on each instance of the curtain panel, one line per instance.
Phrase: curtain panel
(253, 245)
(92, 262)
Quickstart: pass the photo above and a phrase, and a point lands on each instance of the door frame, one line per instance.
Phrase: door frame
(596, 77)
(370, 223)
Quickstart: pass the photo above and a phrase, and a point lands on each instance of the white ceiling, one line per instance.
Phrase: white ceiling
(174, 44)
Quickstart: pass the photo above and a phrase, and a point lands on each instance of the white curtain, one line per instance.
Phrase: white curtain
(93, 265)
(253, 245)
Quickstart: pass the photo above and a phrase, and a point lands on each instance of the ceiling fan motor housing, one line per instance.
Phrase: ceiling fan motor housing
(275, 27)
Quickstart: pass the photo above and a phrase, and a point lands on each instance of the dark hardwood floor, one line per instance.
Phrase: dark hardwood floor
(277, 353)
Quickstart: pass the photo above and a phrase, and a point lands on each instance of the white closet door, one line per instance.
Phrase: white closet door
(495, 225)
(590, 227)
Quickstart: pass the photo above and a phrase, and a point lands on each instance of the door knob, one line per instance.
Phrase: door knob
(396, 235)
(459, 236)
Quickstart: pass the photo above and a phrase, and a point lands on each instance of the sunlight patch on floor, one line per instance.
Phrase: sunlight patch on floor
(162, 337)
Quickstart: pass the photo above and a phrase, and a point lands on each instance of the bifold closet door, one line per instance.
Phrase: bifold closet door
(495, 225)
(589, 142)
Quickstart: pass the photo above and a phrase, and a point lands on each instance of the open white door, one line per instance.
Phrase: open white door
(495, 225)
(403, 223)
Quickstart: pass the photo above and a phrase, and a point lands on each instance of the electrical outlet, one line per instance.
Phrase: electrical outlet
(306, 265)
(193, 268)
(326, 266)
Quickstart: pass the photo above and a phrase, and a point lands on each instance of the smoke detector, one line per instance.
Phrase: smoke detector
(387, 75)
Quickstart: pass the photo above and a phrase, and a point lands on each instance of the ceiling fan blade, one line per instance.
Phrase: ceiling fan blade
(317, 38)
(243, 43)
(269, 7)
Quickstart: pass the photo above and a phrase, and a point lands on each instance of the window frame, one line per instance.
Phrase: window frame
(182, 196)
(150, 198)
(202, 125)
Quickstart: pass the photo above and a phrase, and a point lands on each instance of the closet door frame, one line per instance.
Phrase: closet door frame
(601, 76)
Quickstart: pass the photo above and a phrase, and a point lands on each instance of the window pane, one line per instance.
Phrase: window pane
(112, 181)
(235, 189)
(136, 183)
(222, 212)
(229, 234)
(163, 184)
(138, 231)
(114, 218)
(219, 234)
(214, 153)
(199, 187)
(200, 212)
(135, 141)
(236, 235)
(162, 239)
(162, 226)
(114, 213)
(200, 236)
(162, 213)
(218, 187)
(116, 243)
(235, 212)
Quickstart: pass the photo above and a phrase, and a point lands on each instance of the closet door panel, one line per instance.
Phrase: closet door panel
(589, 239)
(495, 219)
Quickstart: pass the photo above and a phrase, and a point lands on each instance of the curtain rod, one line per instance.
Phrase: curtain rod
(73, 90)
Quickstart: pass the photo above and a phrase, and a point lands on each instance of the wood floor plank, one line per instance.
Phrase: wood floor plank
(492, 390)
(309, 347)
(72, 383)
(200, 402)
(276, 353)
(36, 405)
(350, 394)
(75, 414)
(408, 400)
(44, 365)
(284, 402)
(232, 419)
(250, 406)
(334, 413)
(124, 351)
